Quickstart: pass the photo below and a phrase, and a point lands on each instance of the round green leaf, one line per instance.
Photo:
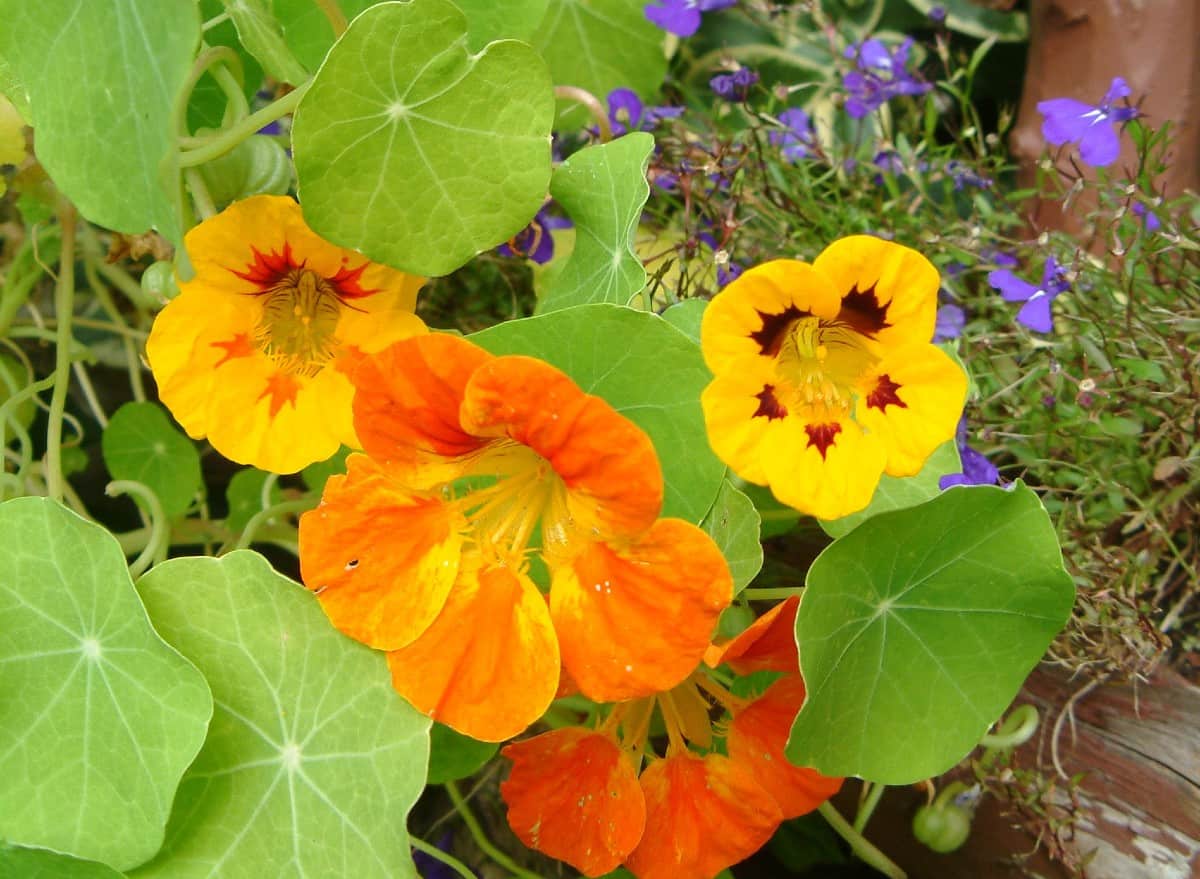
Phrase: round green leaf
(415, 152)
(102, 80)
(647, 370)
(245, 497)
(603, 189)
(734, 524)
(511, 20)
(600, 45)
(896, 493)
(917, 629)
(307, 30)
(312, 762)
(35, 863)
(316, 475)
(141, 444)
(685, 316)
(100, 716)
(453, 756)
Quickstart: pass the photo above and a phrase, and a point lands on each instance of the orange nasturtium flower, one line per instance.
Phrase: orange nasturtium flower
(474, 465)
(254, 351)
(577, 795)
(826, 376)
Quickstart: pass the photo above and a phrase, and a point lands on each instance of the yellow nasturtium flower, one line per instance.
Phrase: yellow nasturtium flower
(826, 376)
(255, 352)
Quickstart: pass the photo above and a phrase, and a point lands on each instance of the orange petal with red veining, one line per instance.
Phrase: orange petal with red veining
(635, 618)
(756, 740)
(574, 795)
(488, 666)
(703, 814)
(607, 462)
(407, 400)
(381, 560)
(768, 644)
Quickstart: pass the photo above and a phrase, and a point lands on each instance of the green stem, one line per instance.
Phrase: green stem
(480, 837)
(590, 103)
(64, 305)
(773, 593)
(333, 12)
(200, 194)
(236, 106)
(206, 59)
(1016, 730)
(438, 855)
(226, 140)
(874, 792)
(262, 516)
(159, 540)
(864, 850)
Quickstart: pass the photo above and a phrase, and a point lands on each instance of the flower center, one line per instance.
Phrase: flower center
(299, 322)
(820, 363)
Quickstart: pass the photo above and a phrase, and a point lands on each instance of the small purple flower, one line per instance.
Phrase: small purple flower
(682, 17)
(950, 322)
(734, 87)
(1070, 121)
(627, 113)
(1035, 313)
(964, 175)
(535, 241)
(977, 469)
(728, 272)
(1151, 223)
(999, 258)
(937, 14)
(879, 76)
(796, 138)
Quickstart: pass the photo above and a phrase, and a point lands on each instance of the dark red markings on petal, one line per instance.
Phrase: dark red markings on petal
(862, 312)
(884, 394)
(769, 405)
(774, 328)
(822, 435)
(346, 282)
(268, 269)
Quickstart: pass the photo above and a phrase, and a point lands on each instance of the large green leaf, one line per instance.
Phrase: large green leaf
(102, 78)
(972, 17)
(489, 20)
(600, 45)
(100, 717)
(141, 444)
(313, 760)
(453, 756)
(262, 36)
(647, 370)
(896, 493)
(734, 524)
(415, 152)
(917, 629)
(37, 863)
(603, 188)
(307, 30)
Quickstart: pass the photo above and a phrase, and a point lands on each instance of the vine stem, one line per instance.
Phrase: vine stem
(870, 801)
(590, 103)
(862, 848)
(438, 855)
(64, 305)
(226, 140)
(480, 837)
(337, 18)
(257, 520)
(159, 541)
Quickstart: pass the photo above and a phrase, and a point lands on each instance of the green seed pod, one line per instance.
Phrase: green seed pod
(942, 828)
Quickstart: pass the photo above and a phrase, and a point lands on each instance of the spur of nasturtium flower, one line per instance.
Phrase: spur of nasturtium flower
(826, 376)
(476, 468)
(255, 351)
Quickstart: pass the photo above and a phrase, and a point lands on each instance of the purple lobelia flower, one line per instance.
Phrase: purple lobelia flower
(1150, 222)
(879, 76)
(796, 138)
(977, 469)
(734, 87)
(627, 113)
(950, 322)
(1092, 127)
(1035, 313)
(535, 241)
(729, 272)
(682, 17)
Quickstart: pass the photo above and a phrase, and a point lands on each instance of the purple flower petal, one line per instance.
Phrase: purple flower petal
(1100, 145)
(624, 110)
(950, 322)
(873, 53)
(675, 16)
(1118, 89)
(1012, 288)
(1035, 314)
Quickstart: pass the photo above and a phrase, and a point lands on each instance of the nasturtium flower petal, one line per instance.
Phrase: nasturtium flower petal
(740, 409)
(757, 735)
(635, 617)
(912, 400)
(573, 794)
(488, 665)
(254, 351)
(406, 409)
(381, 561)
(607, 463)
(887, 290)
(703, 814)
(826, 469)
(753, 316)
(768, 644)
